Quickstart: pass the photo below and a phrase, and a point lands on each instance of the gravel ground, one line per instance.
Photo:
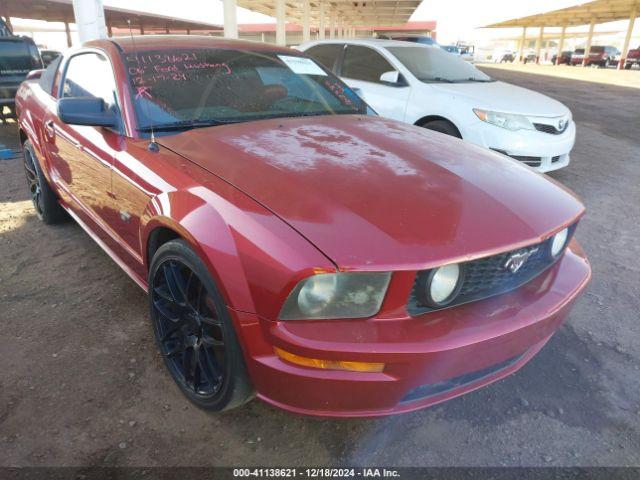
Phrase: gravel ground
(81, 382)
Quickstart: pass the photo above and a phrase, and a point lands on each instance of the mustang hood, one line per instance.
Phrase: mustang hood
(376, 194)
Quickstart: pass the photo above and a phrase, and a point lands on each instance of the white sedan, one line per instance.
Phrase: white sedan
(427, 86)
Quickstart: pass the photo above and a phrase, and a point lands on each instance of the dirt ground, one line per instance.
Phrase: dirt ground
(81, 382)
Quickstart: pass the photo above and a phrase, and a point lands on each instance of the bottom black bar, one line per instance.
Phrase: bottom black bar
(223, 473)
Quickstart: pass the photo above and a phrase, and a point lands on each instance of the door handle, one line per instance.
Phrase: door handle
(49, 130)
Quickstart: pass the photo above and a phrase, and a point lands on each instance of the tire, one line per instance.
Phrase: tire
(43, 197)
(204, 342)
(442, 126)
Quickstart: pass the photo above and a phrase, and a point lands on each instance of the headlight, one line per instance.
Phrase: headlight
(509, 121)
(336, 295)
(559, 241)
(441, 286)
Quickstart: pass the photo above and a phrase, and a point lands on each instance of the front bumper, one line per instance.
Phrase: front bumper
(429, 358)
(543, 152)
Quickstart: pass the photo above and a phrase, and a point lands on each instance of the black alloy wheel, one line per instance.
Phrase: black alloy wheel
(43, 197)
(193, 330)
(33, 181)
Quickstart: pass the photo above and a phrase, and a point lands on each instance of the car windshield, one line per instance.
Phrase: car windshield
(179, 89)
(430, 64)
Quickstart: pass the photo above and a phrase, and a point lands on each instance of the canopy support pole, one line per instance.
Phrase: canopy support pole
(522, 42)
(561, 44)
(587, 50)
(67, 30)
(332, 25)
(280, 23)
(539, 43)
(627, 38)
(306, 26)
(89, 15)
(321, 26)
(230, 19)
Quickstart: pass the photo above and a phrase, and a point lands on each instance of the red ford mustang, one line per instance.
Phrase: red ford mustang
(293, 244)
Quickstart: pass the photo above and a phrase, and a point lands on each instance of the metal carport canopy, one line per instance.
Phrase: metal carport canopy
(353, 13)
(62, 11)
(598, 11)
(592, 13)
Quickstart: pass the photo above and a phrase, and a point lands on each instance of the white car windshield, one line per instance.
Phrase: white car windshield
(430, 64)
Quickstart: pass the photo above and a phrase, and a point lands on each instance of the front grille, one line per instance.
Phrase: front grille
(433, 389)
(543, 127)
(489, 276)
(531, 161)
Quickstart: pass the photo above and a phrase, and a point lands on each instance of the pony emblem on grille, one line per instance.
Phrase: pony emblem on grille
(518, 259)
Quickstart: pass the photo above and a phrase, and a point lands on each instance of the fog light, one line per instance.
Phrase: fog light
(329, 364)
(441, 286)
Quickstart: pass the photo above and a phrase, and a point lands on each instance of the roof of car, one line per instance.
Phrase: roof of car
(366, 41)
(153, 42)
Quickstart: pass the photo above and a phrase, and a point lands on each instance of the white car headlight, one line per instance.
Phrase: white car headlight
(336, 295)
(509, 121)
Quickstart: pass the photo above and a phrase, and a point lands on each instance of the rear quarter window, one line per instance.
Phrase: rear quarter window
(364, 63)
(327, 55)
(48, 77)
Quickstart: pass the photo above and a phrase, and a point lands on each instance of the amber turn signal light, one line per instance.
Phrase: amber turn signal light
(329, 364)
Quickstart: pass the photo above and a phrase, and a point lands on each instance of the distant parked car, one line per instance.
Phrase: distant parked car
(565, 57)
(421, 39)
(49, 56)
(602, 56)
(503, 56)
(633, 58)
(467, 52)
(453, 49)
(431, 88)
(18, 56)
(529, 57)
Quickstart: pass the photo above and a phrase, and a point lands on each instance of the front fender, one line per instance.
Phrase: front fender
(254, 257)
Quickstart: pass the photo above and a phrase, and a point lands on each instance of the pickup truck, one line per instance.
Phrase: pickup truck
(599, 55)
(633, 58)
(18, 56)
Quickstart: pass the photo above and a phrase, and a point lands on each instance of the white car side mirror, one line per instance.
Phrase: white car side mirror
(390, 77)
(358, 92)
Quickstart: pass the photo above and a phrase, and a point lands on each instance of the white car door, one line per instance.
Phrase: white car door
(362, 68)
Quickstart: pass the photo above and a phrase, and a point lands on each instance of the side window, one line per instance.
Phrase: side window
(49, 77)
(364, 63)
(326, 54)
(90, 75)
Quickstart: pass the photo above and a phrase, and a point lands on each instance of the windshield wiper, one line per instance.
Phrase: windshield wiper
(184, 125)
(441, 79)
(482, 80)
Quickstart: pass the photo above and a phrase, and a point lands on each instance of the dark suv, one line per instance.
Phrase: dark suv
(18, 56)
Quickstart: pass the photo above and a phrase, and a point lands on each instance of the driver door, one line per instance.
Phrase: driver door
(362, 68)
(82, 156)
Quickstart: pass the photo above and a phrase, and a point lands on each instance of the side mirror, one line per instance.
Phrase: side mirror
(34, 74)
(390, 77)
(357, 91)
(86, 111)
